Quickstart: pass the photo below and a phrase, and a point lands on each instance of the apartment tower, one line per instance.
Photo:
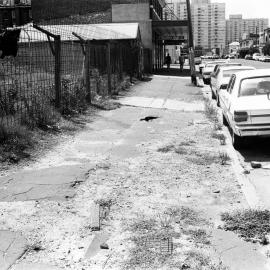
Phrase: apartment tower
(237, 27)
(209, 24)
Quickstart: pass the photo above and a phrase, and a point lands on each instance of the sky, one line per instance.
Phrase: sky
(248, 8)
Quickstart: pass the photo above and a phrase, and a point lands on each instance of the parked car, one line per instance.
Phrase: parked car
(256, 56)
(248, 57)
(213, 76)
(197, 60)
(245, 105)
(266, 59)
(261, 58)
(208, 69)
(223, 76)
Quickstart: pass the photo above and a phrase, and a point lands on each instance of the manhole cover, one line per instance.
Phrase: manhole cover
(164, 245)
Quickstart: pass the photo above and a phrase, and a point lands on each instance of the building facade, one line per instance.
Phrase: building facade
(178, 8)
(209, 24)
(238, 28)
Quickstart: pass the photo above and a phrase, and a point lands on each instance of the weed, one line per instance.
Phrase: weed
(184, 215)
(224, 158)
(203, 158)
(16, 136)
(196, 260)
(252, 225)
(199, 236)
(166, 149)
(73, 95)
(217, 125)
(189, 142)
(220, 136)
(39, 112)
(178, 149)
(211, 111)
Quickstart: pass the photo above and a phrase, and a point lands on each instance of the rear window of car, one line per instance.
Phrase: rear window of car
(229, 73)
(255, 86)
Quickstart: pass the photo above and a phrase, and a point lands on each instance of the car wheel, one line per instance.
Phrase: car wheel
(224, 120)
(218, 102)
(237, 141)
(213, 94)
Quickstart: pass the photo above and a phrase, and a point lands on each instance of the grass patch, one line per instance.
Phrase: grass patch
(199, 236)
(196, 260)
(14, 140)
(203, 158)
(219, 136)
(251, 225)
(211, 111)
(224, 158)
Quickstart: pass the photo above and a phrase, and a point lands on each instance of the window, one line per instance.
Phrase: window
(255, 86)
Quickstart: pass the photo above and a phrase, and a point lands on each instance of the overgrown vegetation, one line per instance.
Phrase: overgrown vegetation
(14, 141)
(176, 222)
(251, 225)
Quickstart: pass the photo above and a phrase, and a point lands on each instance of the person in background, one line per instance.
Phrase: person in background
(181, 62)
(168, 61)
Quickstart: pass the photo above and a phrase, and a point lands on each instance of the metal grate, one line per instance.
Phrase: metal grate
(164, 245)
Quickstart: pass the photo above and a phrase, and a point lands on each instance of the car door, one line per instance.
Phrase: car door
(215, 79)
(229, 100)
(226, 99)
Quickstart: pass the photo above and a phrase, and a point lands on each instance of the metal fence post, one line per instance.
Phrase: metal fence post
(121, 62)
(87, 71)
(57, 75)
(109, 69)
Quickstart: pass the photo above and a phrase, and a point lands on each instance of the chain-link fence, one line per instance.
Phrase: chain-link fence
(59, 72)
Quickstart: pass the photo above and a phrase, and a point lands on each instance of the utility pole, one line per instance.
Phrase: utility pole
(190, 31)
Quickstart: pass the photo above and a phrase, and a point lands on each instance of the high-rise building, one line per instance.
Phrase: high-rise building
(209, 24)
(178, 8)
(237, 27)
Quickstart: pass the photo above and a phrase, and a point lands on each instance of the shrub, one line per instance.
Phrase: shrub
(73, 95)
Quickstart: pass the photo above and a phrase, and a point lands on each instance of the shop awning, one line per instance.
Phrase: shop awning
(171, 32)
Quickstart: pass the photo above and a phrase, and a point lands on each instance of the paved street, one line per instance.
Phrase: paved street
(123, 174)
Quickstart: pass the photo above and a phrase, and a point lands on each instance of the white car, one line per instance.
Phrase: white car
(245, 104)
(213, 79)
(223, 76)
(256, 56)
(208, 69)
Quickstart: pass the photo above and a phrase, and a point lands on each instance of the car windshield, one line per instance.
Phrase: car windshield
(229, 73)
(255, 86)
(210, 65)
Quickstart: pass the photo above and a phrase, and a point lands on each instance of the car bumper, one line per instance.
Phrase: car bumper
(252, 130)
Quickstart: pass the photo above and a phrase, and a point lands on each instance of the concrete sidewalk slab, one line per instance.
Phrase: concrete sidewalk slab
(168, 104)
(50, 183)
(34, 266)
(12, 246)
(236, 253)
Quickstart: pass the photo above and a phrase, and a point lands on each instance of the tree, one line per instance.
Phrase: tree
(253, 50)
(243, 52)
(266, 49)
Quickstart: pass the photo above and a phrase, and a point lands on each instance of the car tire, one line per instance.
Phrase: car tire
(213, 94)
(237, 141)
(224, 120)
(218, 102)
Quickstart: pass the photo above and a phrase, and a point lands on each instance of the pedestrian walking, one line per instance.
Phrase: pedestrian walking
(181, 62)
(168, 61)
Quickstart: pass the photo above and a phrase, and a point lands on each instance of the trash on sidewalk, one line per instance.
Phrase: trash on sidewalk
(256, 165)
